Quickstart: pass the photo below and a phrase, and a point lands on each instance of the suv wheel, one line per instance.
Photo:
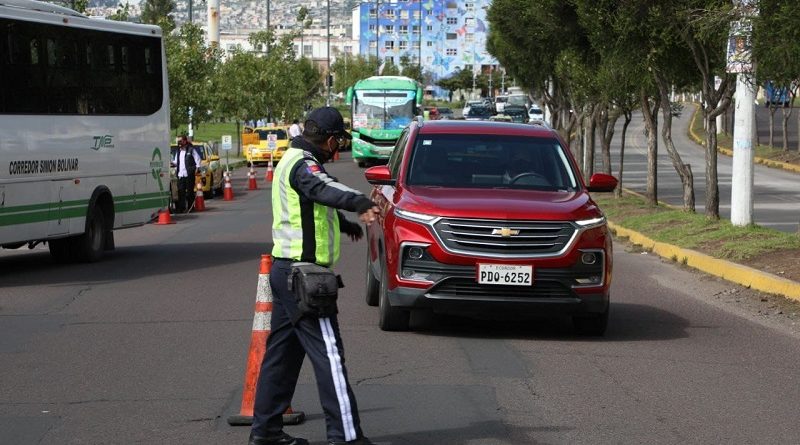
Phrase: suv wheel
(373, 291)
(591, 325)
(391, 319)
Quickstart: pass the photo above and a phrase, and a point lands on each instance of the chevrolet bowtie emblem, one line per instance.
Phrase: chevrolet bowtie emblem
(505, 232)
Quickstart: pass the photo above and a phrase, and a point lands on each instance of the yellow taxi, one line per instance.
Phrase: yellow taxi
(271, 141)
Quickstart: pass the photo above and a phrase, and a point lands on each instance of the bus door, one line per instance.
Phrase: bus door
(58, 219)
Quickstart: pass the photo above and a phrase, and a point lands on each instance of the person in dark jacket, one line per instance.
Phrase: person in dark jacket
(186, 160)
(306, 227)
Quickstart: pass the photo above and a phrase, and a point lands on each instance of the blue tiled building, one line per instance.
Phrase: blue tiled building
(446, 34)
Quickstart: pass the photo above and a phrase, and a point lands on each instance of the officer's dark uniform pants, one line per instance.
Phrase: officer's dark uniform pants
(185, 193)
(286, 347)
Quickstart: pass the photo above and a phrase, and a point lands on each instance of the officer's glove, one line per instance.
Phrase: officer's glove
(351, 229)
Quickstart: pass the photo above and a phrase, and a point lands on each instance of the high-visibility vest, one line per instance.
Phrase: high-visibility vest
(287, 228)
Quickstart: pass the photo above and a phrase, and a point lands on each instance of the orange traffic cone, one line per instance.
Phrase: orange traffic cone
(228, 191)
(252, 184)
(199, 201)
(270, 173)
(164, 217)
(336, 155)
(258, 347)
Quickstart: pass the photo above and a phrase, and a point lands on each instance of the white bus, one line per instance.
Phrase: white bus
(84, 128)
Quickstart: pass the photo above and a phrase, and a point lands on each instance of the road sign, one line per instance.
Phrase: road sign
(226, 142)
(272, 141)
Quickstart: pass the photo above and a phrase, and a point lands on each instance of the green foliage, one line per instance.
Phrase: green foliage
(459, 80)
(252, 85)
(122, 14)
(159, 12)
(191, 67)
(410, 69)
(390, 69)
(348, 69)
(776, 41)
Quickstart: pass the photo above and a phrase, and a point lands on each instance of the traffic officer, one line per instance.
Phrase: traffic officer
(306, 227)
(186, 160)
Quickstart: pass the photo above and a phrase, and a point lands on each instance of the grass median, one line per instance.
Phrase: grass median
(761, 248)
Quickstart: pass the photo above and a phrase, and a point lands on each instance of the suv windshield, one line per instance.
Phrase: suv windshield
(490, 161)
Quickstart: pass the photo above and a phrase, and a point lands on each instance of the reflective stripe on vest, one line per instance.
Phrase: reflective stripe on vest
(287, 228)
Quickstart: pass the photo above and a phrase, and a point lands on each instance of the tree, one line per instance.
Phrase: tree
(410, 69)
(159, 12)
(776, 49)
(122, 14)
(304, 19)
(461, 79)
(350, 69)
(191, 67)
(390, 69)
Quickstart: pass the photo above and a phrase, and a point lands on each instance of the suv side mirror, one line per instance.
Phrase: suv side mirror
(601, 182)
(379, 175)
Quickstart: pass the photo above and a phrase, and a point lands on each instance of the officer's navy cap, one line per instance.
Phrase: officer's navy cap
(329, 121)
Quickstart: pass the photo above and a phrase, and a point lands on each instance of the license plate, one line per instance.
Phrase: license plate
(505, 274)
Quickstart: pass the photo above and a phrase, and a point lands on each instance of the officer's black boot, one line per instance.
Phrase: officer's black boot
(278, 439)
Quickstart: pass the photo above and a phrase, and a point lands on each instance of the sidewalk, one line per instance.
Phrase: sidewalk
(727, 270)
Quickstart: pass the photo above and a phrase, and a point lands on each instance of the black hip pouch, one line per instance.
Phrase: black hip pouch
(315, 289)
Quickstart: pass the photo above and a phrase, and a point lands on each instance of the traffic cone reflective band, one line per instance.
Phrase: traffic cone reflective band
(268, 176)
(199, 201)
(252, 184)
(258, 345)
(164, 217)
(228, 192)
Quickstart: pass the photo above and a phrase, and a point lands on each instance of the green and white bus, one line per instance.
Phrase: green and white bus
(381, 106)
(84, 128)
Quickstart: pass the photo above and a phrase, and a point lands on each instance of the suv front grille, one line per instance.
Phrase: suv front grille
(504, 237)
(466, 288)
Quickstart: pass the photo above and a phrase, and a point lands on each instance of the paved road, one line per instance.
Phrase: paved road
(776, 192)
(762, 126)
(149, 347)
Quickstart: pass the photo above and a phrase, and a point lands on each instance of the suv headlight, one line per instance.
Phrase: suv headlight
(414, 216)
(591, 223)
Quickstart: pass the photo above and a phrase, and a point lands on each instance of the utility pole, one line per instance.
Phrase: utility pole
(377, 37)
(503, 82)
(739, 61)
(268, 29)
(190, 13)
(419, 57)
(328, 79)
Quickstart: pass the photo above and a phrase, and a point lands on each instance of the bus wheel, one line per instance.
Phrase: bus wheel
(90, 246)
(60, 249)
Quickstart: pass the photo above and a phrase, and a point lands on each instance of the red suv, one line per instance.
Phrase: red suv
(484, 217)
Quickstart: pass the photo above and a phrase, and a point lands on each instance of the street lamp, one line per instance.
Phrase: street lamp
(328, 80)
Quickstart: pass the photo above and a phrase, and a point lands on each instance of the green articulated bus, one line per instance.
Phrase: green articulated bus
(381, 107)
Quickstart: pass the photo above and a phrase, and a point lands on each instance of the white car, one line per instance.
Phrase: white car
(535, 114)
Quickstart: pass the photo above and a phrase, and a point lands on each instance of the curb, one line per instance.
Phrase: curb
(728, 152)
(733, 272)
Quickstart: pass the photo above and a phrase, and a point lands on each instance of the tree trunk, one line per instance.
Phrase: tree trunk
(785, 122)
(772, 110)
(589, 165)
(684, 170)
(712, 181)
(651, 126)
(628, 116)
(609, 121)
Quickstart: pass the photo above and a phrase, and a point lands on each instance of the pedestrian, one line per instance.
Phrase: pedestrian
(305, 228)
(294, 129)
(186, 160)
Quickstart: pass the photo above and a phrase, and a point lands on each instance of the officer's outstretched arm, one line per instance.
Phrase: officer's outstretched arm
(311, 180)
